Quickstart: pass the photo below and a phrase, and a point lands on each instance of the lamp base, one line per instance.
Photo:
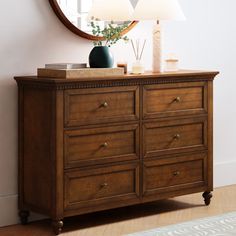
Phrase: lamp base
(157, 51)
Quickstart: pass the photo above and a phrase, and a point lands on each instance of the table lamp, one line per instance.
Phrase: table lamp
(158, 10)
(111, 10)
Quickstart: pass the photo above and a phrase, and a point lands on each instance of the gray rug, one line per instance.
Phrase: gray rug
(223, 225)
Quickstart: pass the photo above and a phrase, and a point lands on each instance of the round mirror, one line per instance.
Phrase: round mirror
(74, 15)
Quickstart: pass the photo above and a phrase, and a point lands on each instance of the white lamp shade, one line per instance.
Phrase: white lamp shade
(111, 10)
(158, 10)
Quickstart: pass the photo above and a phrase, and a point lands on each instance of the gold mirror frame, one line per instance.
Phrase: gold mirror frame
(56, 8)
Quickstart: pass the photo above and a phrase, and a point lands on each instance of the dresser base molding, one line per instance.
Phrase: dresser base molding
(57, 225)
(87, 145)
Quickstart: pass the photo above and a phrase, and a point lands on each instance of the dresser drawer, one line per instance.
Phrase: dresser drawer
(186, 171)
(174, 99)
(101, 145)
(102, 105)
(176, 136)
(95, 186)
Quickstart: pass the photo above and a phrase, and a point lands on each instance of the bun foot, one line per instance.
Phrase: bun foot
(57, 226)
(207, 198)
(24, 215)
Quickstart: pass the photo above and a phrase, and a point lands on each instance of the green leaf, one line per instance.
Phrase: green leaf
(111, 33)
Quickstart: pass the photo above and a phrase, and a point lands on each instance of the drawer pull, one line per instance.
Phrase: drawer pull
(105, 105)
(105, 145)
(177, 99)
(104, 185)
(176, 173)
(176, 136)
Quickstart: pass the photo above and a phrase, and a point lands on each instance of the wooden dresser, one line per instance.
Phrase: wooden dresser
(87, 145)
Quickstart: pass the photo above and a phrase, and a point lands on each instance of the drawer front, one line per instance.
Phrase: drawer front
(174, 99)
(102, 105)
(168, 137)
(93, 187)
(187, 171)
(101, 145)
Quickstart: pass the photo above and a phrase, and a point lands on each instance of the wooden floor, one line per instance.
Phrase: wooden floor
(136, 218)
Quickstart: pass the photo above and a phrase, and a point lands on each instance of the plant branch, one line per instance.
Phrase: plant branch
(111, 33)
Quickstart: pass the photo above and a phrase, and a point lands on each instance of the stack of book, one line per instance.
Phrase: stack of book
(66, 66)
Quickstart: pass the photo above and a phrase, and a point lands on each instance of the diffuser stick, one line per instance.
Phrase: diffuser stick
(135, 54)
(137, 45)
(142, 49)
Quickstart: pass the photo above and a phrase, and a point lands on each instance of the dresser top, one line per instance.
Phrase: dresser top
(180, 73)
(128, 79)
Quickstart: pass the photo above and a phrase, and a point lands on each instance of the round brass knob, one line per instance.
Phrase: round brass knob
(177, 99)
(105, 104)
(177, 136)
(104, 185)
(105, 145)
(176, 173)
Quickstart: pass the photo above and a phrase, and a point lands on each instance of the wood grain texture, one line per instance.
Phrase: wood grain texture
(92, 187)
(36, 160)
(151, 78)
(185, 171)
(175, 136)
(57, 152)
(210, 136)
(79, 73)
(175, 99)
(93, 145)
(89, 106)
(101, 145)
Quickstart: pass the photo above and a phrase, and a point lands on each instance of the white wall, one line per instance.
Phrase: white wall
(31, 36)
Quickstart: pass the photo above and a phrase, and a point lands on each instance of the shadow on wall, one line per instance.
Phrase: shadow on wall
(8, 137)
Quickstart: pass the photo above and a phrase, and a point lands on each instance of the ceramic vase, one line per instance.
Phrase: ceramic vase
(101, 57)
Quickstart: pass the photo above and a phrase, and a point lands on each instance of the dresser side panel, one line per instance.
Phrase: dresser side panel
(36, 163)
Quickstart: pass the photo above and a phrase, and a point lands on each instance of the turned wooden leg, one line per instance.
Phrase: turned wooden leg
(207, 197)
(57, 226)
(24, 215)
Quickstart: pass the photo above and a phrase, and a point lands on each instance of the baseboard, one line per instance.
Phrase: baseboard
(8, 206)
(9, 211)
(224, 173)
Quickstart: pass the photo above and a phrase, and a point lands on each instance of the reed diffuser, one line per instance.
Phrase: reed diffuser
(138, 48)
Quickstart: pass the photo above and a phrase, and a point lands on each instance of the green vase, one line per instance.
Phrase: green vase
(101, 57)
